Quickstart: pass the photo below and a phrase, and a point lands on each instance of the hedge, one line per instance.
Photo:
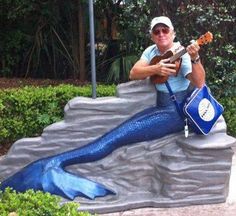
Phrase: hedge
(229, 114)
(27, 111)
(36, 204)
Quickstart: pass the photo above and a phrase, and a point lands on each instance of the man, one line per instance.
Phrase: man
(163, 34)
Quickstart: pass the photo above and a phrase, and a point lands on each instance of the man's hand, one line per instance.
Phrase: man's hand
(193, 51)
(165, 68)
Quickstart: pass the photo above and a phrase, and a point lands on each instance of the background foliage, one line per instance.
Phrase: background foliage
(40, 39)
(50, 38)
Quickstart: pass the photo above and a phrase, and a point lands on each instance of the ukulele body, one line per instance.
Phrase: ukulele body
(155, 60)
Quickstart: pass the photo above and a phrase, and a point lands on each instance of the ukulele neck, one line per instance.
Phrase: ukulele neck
(177, 55)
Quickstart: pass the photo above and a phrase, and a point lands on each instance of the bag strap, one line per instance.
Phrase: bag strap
(173, 98)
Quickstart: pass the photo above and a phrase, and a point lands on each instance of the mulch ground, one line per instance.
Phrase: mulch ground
(4, 149)
(6, 83)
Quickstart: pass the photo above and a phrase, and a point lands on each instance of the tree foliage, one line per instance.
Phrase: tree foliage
(218, 17)
(39, 39)
(50, 38)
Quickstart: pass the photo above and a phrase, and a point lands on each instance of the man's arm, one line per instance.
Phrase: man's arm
(142, 69)
(197, 77)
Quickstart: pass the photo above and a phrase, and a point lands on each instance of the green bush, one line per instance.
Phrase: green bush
(229, 114)
(26, 112)
(35, 204)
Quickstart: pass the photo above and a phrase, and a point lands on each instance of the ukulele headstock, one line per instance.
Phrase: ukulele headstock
(204, 39)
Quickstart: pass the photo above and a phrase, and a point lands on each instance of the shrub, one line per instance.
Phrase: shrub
(229, 114)
(26, 112)
(36, 204)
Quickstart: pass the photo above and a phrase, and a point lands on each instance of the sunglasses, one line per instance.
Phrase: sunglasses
(163, 30)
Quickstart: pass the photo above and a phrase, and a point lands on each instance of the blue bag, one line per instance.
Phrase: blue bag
(202, 110)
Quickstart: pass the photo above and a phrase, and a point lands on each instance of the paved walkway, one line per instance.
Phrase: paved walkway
(223, 209)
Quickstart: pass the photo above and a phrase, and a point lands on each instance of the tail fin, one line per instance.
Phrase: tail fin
(57, 181)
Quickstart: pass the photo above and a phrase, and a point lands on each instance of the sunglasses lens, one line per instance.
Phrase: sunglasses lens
(159, 30)
(156, 31)
(165, 30)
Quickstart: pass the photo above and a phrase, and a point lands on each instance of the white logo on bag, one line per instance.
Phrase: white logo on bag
(206, 110)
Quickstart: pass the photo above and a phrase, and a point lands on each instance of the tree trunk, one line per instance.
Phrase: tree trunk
(75, 42)
(81, 41)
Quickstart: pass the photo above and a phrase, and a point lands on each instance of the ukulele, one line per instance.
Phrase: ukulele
(175, 57)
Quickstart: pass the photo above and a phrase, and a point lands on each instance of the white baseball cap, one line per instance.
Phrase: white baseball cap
(161, 20)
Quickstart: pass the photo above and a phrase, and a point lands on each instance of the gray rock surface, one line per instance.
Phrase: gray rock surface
(227, 208)
(168, 172)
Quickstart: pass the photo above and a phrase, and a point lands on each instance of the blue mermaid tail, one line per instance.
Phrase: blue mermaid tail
(48, 174)
(55, 180)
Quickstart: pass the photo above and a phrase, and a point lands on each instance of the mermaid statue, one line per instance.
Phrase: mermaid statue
(49, 175)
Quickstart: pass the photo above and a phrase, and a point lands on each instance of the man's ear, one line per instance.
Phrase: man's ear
(174, 35)
(150, 34)
(151, 37)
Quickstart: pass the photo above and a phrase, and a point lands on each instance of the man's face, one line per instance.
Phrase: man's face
(163, 36)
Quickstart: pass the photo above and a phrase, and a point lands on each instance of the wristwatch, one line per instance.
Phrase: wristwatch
(196, 60)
